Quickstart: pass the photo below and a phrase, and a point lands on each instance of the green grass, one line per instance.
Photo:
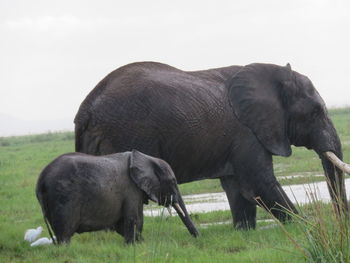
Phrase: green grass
(325, 232)
(166, 240)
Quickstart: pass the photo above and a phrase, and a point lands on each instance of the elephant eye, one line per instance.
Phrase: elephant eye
(316, 111)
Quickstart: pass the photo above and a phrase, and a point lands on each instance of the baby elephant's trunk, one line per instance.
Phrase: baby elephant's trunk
(185, 217)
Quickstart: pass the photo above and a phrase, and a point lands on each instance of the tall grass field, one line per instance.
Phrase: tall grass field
(165, 238)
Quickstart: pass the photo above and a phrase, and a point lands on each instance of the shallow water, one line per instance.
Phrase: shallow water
(202, 203)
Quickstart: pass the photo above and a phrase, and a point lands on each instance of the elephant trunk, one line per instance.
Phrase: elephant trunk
(327, 145)
(185, 217)
(333, 168)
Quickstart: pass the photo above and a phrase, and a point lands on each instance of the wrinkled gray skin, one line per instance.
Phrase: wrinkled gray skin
(220, 123)
(82, 193)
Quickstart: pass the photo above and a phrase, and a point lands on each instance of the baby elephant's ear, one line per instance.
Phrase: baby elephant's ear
(142, 172)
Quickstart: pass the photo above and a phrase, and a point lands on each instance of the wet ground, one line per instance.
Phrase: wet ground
(201, 203)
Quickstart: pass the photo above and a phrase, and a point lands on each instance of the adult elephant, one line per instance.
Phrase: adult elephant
(220, 123)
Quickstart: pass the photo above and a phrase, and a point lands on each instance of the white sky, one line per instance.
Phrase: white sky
(52, 53)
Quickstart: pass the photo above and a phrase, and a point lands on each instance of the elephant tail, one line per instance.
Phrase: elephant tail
(78, 137)
(85, 114)
(49, 228)
(85, 141)
(81, 122)
(43, 200)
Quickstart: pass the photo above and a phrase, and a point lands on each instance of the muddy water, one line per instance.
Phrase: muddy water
(202, 203)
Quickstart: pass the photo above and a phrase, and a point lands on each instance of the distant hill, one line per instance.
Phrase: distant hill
(10, 126)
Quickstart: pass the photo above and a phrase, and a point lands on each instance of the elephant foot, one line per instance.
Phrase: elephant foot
(245, 225)
(245, 217)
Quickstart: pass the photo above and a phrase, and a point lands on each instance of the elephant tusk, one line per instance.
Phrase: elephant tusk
(176, 205)
(169, 210)
(337, 162)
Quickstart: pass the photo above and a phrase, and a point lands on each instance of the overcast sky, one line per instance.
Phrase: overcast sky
(52, 53)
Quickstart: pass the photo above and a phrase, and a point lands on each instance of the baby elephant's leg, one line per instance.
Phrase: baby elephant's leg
(133, 223)
(130, 231)
(139, 226)
(64, 228)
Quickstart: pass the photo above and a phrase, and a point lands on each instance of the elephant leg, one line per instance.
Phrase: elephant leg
(258, 183)
(139, 227)
(254, 183)
(62, 229)
(119, 227)
(133, 220)
(243, 211)
(275, 200)
(64, 220)
(130, 231)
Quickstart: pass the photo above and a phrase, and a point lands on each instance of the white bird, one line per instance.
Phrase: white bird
(33, 234)
(41, 242)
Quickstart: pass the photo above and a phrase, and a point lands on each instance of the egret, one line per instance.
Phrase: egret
(41, 241)
(33, 234)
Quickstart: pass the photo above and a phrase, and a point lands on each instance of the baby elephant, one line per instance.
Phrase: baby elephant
(82, 193)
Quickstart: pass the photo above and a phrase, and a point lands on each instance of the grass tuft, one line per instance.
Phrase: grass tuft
(324, 231)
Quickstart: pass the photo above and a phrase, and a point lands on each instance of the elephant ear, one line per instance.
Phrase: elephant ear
(255, 94)
(143, 173)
